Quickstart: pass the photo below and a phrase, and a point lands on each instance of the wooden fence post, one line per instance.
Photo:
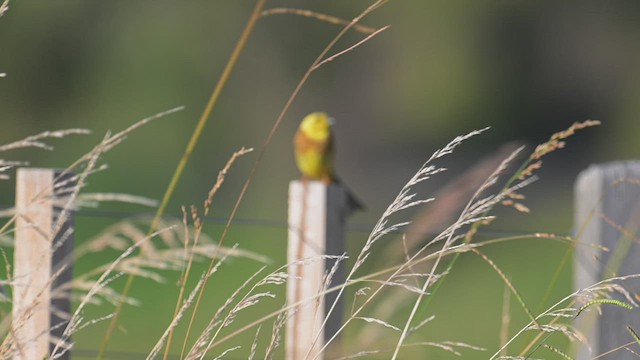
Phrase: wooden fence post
(42, 262)
(317, 215)
(607, 214)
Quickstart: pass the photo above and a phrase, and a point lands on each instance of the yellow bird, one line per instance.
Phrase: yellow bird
(314, 152)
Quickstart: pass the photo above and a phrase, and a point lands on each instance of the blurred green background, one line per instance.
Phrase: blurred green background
(443, 68)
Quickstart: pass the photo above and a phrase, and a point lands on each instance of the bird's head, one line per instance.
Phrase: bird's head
(317, 126)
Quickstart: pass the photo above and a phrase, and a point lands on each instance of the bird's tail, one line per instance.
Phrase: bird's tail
(354, 203)
(352, 200)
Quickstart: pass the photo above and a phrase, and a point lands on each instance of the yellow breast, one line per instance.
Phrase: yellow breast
(313, 145)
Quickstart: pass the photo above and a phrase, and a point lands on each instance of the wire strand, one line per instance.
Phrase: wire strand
(358, 227)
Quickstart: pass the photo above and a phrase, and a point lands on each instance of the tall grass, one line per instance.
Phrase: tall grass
(150, 247)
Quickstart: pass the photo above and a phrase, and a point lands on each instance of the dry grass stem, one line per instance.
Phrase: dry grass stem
(507, 283)
(206, 338)
(254, 345)
(609, 352)
(377, 321)
(278, 325)
(602, 289)
(184, 306)
(221, 175)
(422, 323)
(315, 15)
(198, 235)
(555, 142)
(110, 141)
(472, 214)
(95, 199)
(350, 48)
(193, 249)
(77, 317)
(224, 353)
(403, 200)
(505, 319)
(36, 141)
(3, 8)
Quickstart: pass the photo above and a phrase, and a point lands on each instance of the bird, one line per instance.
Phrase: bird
(314, 153)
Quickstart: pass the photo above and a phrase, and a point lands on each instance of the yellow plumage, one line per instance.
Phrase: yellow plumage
(313, 145)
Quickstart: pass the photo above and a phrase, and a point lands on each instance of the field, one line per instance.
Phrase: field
(177, 122)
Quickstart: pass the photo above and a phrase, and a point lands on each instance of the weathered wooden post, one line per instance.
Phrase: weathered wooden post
(42, 262)
(607, 214)
(317, 215)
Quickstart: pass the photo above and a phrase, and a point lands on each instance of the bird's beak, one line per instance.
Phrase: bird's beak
(332, 121)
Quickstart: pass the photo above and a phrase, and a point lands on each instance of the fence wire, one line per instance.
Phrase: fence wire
(357, 227)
